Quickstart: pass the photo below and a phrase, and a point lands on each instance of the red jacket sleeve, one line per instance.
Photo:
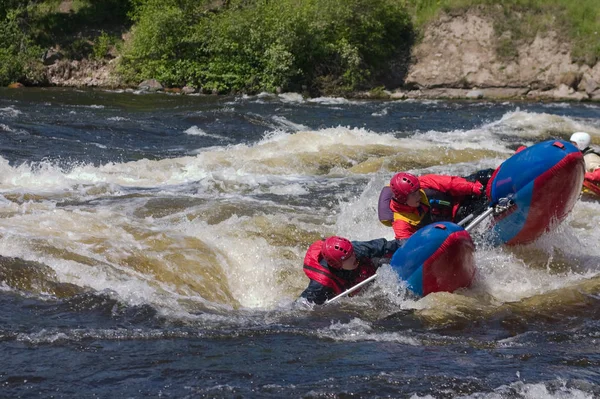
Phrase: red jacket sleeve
(453, 185)
(593, 176)
(403, 229)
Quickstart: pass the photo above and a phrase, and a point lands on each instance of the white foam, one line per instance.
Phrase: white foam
(552, 389)
(330, 100)
(196, 131)
(383, 112)
(10, 112)
(283, 122)
(291, 98)
(358, 330)
(5, 128)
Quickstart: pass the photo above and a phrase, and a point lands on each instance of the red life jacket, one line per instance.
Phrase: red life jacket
(441, 207)
(315, 270)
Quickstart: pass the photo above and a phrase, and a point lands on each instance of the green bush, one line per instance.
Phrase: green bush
(102, 45)
(20, 58)
(28, 27)
(265, 45)
(8, 6)
(11, 68)
(157, 45)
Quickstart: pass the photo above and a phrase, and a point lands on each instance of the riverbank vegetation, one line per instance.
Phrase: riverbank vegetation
(221, 46)
(318, 45)
(77, 29)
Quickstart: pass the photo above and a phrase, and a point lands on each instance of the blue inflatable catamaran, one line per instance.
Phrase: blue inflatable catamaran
(536, 188)
(543, 182)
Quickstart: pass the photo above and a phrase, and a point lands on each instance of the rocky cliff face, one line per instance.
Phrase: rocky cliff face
(84, 73)
(459, 52)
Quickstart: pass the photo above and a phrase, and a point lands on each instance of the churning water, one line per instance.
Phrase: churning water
(152, 246)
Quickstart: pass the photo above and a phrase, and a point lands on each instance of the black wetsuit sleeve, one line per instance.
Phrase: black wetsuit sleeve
(379, 248)
(317, 293)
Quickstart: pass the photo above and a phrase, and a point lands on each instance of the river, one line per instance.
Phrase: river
(151, 245)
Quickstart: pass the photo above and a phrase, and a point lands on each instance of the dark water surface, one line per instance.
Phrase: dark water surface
(151, 246)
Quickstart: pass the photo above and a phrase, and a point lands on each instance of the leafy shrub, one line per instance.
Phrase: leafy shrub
(102, 45)
(29, 26)
(157, 44)
(20, 59)
(265, 45)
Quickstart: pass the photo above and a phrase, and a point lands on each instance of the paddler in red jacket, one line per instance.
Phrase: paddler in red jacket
(336, 264)
(411, 202)
(582, 141)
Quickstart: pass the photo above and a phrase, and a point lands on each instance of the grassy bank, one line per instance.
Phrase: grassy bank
(575, 21)
(314, 46)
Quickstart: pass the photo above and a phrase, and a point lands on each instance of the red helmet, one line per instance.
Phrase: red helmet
(335, 250)
(403, 184)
